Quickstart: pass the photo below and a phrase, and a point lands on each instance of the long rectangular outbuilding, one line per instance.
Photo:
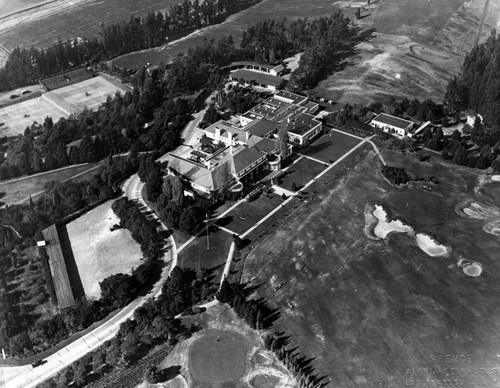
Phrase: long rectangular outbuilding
(58, 269)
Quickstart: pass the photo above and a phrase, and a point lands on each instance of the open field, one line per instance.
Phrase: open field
(19, 190)
(218, 357)
(419, 46)
(11, 6)
(58, 103)
(300, 173)
(234, 25)
(43, 25)
(253, 211)
(372, 310)
(330, 147)
(98, 252)
(196, 255)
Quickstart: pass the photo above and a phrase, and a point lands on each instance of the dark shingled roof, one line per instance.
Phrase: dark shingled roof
(261, 127)
(58, 270)
(265, 145)
(245, 158)
(392, 120)
(260, 78)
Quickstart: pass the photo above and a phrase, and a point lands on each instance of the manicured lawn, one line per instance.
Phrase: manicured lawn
(251, 212)
(218, 357)
(19, 190)
(300, 173)
(385, 303)
(196, 255)
(331, 146)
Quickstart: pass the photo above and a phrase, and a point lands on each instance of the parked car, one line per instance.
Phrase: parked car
(38, 363)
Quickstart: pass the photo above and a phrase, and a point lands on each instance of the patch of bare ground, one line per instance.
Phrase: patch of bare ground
(419, 46)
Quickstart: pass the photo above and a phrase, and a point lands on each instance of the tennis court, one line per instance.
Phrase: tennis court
(17, 117)
(88, 94)
(58, 103)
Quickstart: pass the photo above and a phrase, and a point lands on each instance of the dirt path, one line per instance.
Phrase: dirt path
(480, 27)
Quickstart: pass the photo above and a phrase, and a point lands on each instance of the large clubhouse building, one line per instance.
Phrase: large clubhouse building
(231, 155)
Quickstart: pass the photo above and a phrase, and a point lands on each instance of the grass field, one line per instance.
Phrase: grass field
(196, 255)
(218, 357)
(330, 146)
(300, 173)
(372, 310)
(10, 6)
(19, 190)
(82, 18)
(99, 252)
(253, 211)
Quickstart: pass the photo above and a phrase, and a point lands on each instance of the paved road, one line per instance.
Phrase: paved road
(44, 173)
(27, 376)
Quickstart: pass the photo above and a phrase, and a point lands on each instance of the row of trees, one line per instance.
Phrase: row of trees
(298, 365)
(27, 66)
(142, 229)
(258, 315)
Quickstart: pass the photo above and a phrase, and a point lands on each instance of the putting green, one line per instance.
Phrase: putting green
(218, 357)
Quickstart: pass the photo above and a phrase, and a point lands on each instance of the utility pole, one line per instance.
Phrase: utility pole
(208, 239)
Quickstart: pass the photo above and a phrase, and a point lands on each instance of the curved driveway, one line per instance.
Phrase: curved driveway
(27, 376)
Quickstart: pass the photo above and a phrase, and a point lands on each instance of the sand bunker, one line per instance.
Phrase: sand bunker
(430, 246)
(495, 178)
(492, 228)
(384, 227)
(470, 267)
(475, 210)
